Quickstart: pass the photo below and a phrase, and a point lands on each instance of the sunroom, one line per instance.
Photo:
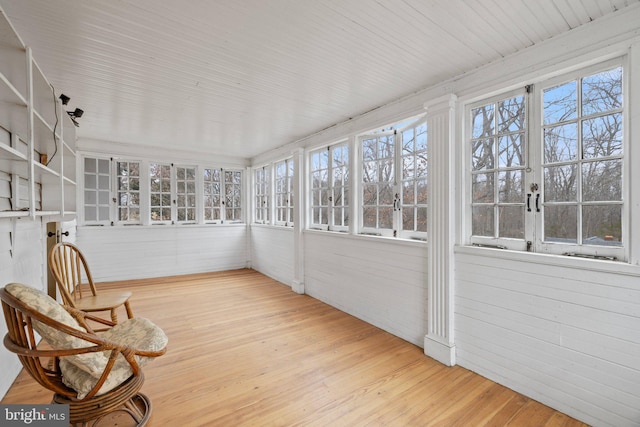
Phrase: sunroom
(457, 176)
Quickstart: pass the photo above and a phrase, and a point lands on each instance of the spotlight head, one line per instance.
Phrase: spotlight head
(64, 98)
(77, 113)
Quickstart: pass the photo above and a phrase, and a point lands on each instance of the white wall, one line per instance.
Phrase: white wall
(272, 252)
(22, 251)
(563, 331)
(134, 252)
(378, 280)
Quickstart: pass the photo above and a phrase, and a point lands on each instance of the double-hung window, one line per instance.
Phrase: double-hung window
(394, 181)
(262, 195)
(329, 183)
(283, 171)
(550, 178)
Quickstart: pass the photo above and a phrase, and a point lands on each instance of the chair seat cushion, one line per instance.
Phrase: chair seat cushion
(138, 333)
(43, 303)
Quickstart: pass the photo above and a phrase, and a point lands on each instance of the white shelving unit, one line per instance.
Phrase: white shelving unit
(37, 137)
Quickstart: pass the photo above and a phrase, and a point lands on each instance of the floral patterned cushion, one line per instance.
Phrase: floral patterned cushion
(93, 363)
(82, 372)
(137, 333)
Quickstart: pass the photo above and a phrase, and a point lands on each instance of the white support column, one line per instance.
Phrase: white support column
(299, 209)
(439, 342)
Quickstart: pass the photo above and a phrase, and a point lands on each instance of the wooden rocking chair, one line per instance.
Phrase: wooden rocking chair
(95, 375)
(69, 266)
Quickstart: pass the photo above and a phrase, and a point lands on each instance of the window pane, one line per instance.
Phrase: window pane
(560, 223)
(483, 221)
(560, 103)
(482, 188)
(561, 143)
(511, 151)
(408, 219)
(482, 154)
(511, 115)
(511, 220)
(482, 121)
(602, 136)
(511, 188)
(602, 92)
(602, 181)
(602, 225)
(560, 183)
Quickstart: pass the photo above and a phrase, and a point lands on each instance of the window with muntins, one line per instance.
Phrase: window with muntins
(212, 194)
(186, 194)
(128, 188)
(262, 193)
(160, 194)
(97, 190)
(394, 185)
(551, 179)
(233, 196)
(284, 192)
(330, 183)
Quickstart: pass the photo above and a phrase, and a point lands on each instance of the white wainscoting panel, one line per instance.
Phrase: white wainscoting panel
(21, 260)
(135, 252)
(272, 252)
(564, 331)
(378, 280)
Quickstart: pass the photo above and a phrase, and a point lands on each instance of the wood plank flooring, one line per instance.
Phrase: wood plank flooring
(244, 350)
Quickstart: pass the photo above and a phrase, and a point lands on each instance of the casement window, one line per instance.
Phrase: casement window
(329, 182)
(222, 195)
(233, 196)
(128, 191)
(394, 181)
(262, 194)
(186, 194)
(283, 181)
(97, 191)
(160, 193)
(111, 183)
(547, 166)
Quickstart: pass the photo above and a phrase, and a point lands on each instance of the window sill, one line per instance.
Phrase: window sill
(596, 265)
(368, 237)
(156, 226)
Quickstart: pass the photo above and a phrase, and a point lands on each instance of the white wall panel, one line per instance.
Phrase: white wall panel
(566, 335)
(121, 253)
(272, 252)
(381, 281)
(21, 260)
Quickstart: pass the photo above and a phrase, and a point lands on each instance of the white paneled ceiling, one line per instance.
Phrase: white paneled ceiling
(239, 77)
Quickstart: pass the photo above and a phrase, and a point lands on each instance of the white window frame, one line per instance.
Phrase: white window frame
(394, 183)
(534, 176)
(262, 195)
(229, 190)
(100, 176)
(185, 196)
(283, 192)
(324, 189)
(117, 198)
(164, 195)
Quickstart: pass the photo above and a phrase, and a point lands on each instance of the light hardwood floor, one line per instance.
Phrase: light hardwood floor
(244, 350)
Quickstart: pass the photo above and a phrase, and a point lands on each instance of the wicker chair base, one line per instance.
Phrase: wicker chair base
(97, 410)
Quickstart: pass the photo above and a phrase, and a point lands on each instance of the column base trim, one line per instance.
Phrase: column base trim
(443, 353)
(297, 287)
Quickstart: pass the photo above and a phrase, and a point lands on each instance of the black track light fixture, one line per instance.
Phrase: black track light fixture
(64, 98)
(75, 114)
